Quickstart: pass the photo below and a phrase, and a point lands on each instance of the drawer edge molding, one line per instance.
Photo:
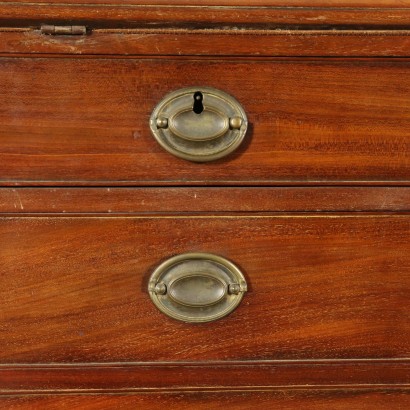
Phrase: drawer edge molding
(122, 200)
(139, 377)
(286, 399)
(209, 42)
(111, 15)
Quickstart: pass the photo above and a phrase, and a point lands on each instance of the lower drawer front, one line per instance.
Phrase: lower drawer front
(74, 289)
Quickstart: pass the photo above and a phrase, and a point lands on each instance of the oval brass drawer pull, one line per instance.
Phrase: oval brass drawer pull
(197, 287)
(199, 124)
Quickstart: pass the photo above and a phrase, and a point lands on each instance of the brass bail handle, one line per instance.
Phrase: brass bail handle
(197, 287)
(199, 124)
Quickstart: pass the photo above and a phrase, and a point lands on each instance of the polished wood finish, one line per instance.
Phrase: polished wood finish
(202, 200)
(203, 376)
(74, 289)
(314, 207)
(308, 399)
(389, 4)
(215, 42)
(372, 15)
(322, 121)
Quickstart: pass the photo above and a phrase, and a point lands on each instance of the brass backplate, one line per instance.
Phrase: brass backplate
(199, 124)
(197, 287)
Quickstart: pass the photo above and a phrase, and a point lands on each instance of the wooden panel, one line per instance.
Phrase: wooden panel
(73, 289)
(135, 15)
(206, 376)
(393, 399)
(390, 4)
(203, 199)
(86, 121)
(216, 42)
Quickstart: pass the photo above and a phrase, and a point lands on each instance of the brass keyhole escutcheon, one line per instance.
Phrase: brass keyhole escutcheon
(197, 287)
(199, 124)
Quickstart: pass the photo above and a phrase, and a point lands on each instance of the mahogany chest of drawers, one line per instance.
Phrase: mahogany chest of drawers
(205, 205)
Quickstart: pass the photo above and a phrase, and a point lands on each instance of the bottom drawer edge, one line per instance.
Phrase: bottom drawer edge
(308, 399)
(160, 377)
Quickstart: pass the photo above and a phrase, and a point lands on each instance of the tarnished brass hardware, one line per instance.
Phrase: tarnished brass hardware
(235, 123)
(199, 124)
(162, 122)
(63, 30)
(197, 287)
(160, 288)
(234, 288)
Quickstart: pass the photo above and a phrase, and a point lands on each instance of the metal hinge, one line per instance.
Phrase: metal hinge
(63, 30)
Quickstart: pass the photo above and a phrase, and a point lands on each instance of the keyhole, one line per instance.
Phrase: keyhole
(198, 106)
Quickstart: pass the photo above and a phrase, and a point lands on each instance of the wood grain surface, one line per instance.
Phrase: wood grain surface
(118, 200)
(383, 13)
(203, 376)
(393, 399)
(358, 4)
(210, 42)
(74, 289)
(325, 323)
(85, 121)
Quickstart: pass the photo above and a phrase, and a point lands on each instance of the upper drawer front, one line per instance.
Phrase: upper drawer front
(74, 120)
(75, 289)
